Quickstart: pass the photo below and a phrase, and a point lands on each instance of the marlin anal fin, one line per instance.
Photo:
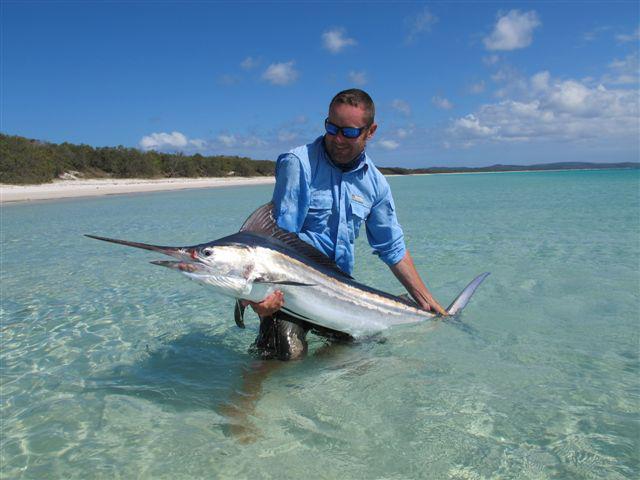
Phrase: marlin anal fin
(238, 314)
(461, 300)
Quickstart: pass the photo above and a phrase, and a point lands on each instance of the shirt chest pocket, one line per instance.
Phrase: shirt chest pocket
(359, 213)
(320, 208)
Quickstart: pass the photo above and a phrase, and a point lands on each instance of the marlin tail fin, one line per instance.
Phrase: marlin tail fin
(461, 300)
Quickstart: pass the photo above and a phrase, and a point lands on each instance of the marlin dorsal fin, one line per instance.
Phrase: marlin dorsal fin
(262, 222)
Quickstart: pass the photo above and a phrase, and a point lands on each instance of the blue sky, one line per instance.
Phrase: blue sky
(455, 83)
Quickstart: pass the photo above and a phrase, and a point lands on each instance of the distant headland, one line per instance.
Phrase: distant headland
(27, 161)
(511, 168)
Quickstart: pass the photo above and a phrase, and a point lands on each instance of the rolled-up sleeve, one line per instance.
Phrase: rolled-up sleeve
(384, 232)
(291, 193)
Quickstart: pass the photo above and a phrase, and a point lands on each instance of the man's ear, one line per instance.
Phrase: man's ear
(372, 130)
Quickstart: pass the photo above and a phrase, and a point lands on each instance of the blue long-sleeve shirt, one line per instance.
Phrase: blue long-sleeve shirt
(326, 206)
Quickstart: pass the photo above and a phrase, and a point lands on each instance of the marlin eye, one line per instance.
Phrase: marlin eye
(207, 253)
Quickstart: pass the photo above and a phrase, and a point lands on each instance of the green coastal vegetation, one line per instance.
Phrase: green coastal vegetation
(27, 161)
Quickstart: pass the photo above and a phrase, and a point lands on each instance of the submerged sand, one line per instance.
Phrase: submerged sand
(97, 187)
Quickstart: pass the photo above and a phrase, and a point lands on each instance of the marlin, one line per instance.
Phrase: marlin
(262, 258)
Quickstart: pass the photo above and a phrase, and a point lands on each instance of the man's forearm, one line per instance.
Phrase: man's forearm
(405, 271)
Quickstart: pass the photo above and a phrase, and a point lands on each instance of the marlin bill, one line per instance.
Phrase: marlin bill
(262, 258)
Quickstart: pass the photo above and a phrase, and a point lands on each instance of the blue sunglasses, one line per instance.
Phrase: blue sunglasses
(347, 132)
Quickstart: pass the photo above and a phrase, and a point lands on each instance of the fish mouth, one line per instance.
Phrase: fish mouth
(185, 267)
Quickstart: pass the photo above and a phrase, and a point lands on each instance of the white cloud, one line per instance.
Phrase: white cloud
(335, 41)
(476, 88)
(631, 37)
(401, 106)
(358, 78)
(491, 59)
(174, 141)
(227, 140)
(281, 73)
(286, 135)
(441, 103)
(625, 71)
(511, 80)
(422, 22)
(569, 96)
(595, 33)
(471, 126)
(402, 133)
(249, 63)
(228, 79)
(388, 144)
(178, 142)
(552, 109)
(512, 31)
(540, 81)
(253, 141)
(232, 140)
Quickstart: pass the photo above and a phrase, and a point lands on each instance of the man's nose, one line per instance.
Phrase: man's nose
(341, 138)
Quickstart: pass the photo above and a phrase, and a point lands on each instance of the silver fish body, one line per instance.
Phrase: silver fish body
(312, 293)
(261, 258)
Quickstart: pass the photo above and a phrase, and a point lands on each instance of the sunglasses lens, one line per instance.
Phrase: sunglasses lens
(347, 132)
(330, 128)
(351, 132)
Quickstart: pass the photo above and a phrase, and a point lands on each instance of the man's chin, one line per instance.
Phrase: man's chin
(340, 157)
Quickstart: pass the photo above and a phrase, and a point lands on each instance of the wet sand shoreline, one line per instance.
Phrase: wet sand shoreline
(78, 188)
(60, 189)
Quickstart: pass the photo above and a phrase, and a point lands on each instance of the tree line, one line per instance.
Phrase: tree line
(24, 161)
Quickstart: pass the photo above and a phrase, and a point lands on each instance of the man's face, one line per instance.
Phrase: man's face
(341, 149)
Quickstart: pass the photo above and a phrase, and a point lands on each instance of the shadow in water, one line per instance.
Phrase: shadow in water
(195, 370)
(459, 323)
(199, 370)
(240, 406)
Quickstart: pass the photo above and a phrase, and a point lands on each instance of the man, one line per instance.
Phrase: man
(324, 192)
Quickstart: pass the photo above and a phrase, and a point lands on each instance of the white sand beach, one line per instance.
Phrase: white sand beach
(114, 186)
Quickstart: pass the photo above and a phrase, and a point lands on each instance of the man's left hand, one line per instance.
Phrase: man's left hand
(268, 306)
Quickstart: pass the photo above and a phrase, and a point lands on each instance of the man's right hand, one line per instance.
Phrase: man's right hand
(269, 305)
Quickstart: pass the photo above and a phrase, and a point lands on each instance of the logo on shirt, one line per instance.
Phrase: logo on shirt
(357, 198)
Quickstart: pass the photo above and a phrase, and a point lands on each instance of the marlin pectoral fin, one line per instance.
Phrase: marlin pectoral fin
(238, 314)
(285, 282)
(461, 300)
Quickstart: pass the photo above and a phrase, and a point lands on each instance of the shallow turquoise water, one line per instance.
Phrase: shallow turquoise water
(114, 367)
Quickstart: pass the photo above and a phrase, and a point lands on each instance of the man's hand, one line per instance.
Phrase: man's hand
(269, 305)
(406, 272)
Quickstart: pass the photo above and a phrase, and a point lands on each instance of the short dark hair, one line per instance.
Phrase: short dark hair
(356, 98)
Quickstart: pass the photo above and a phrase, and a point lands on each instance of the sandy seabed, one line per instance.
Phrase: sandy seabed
(96, 187)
